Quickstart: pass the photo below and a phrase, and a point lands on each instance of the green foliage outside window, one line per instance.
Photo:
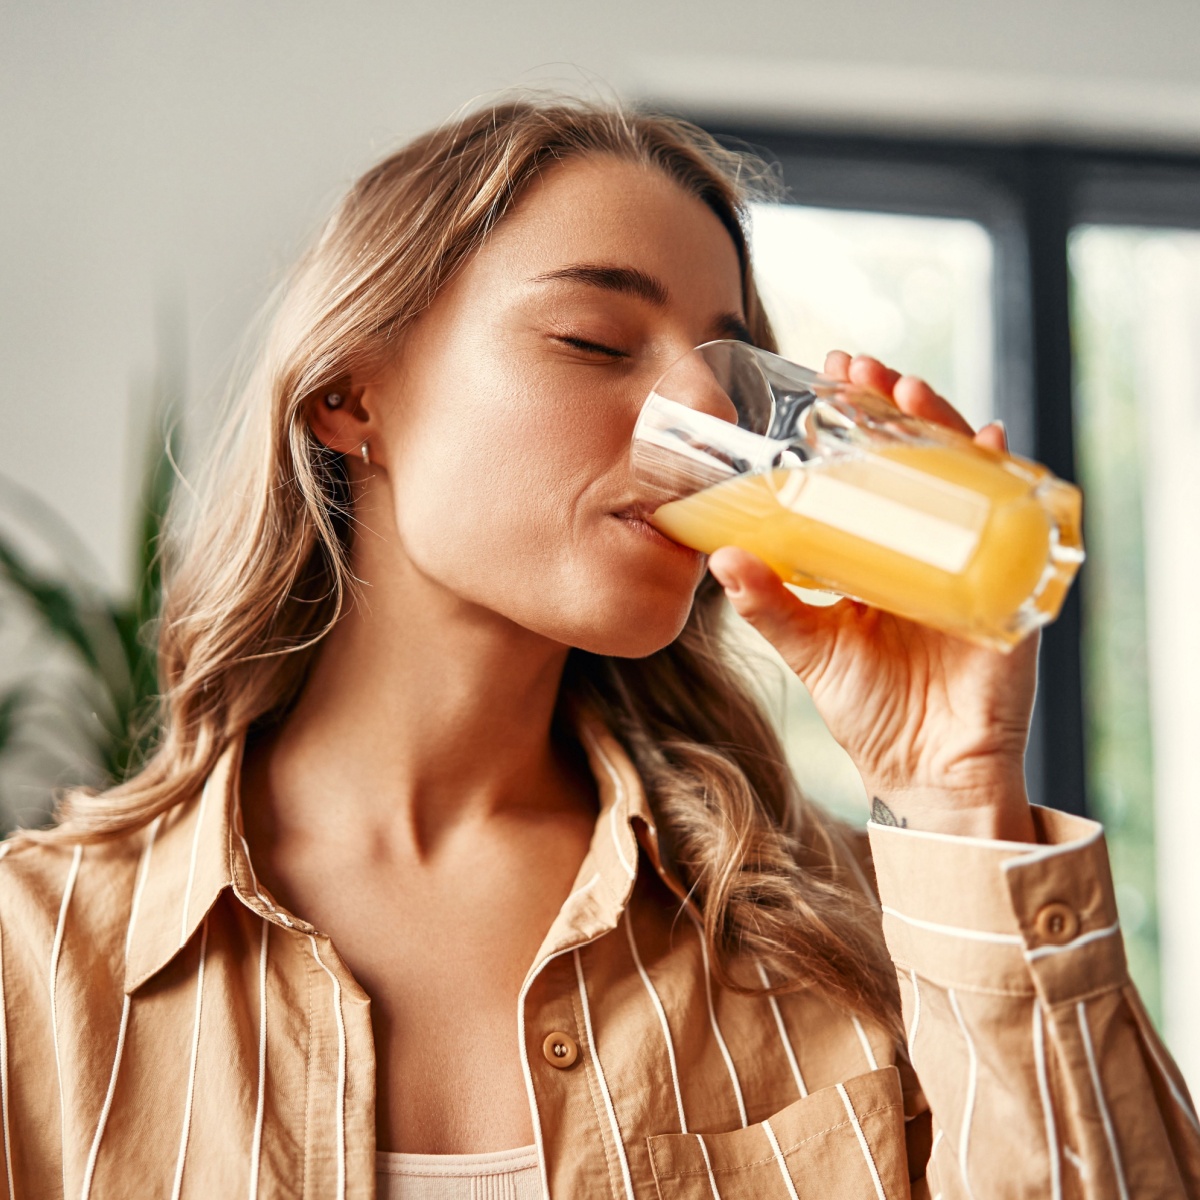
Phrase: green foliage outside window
(1105, 320)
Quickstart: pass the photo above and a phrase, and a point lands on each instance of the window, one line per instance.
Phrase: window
(1135, 318)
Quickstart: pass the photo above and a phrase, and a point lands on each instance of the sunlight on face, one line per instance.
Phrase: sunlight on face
(507, 423)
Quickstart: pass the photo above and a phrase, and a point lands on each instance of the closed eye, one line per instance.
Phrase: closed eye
(591, 347)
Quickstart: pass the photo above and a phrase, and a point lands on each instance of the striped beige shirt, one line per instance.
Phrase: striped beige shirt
(166, 1030)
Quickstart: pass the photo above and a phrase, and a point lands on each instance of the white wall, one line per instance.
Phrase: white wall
(159, 164)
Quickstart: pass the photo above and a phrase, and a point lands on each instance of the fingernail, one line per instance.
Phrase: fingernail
(999, 424)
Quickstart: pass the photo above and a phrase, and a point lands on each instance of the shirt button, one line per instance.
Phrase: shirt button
(1056, 923)
(561, 1050)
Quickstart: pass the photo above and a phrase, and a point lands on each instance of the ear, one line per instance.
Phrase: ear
(341, 420)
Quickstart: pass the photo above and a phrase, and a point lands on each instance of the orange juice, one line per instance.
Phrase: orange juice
(959, 538)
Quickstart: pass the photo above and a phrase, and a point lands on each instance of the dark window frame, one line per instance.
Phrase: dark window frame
(1029, 195)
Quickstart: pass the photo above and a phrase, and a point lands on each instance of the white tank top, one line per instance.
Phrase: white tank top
(501, 1175)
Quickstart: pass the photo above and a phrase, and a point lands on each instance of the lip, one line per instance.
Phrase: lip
(634, 519)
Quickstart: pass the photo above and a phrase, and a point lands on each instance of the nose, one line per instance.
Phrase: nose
(692, 381)
(688, 435)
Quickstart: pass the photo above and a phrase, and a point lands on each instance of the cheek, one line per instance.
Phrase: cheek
(487, 499)
(485, 461)
(495, 462)
(506, 502)
(463, 508)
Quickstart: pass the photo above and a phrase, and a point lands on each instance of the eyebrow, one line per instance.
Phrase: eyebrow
(631, 281)
(628, 280)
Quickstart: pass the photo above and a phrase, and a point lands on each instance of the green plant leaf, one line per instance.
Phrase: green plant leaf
(11, 703)
(58, 605)
(112, 713)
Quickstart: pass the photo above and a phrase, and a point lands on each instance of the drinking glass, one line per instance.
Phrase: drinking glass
(836, 489)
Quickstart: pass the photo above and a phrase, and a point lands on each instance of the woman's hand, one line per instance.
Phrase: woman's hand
(935, 725)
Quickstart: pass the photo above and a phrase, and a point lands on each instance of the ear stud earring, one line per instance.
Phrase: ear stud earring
(366, 453)
(334, 400)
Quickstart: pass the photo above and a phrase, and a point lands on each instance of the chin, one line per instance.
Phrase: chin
(629, 629)
(634, 605)
(625, 644)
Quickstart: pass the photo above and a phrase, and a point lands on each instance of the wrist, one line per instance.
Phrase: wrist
(995, 809)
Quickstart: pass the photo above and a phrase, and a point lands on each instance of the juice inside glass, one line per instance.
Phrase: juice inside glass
(836, 489)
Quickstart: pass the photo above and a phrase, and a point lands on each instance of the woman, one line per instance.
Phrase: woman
(465, 844)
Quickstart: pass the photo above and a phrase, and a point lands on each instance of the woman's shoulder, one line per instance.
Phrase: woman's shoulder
(60, 895)
(65, 921)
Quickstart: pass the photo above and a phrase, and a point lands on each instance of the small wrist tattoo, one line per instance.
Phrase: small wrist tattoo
(882, 815)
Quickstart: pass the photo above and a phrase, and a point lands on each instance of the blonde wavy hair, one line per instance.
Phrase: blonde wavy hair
(259, 571)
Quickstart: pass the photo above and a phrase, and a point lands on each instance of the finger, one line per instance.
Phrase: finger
(870, 373)
(757, 595)
(993, 436)
(837, 365)
(915, 397)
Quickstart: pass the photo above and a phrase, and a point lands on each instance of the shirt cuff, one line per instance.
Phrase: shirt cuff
(1005, 917)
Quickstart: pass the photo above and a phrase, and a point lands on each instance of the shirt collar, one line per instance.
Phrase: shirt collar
(185, 866)
(197, 849)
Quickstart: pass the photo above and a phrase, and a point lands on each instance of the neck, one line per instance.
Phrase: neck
(422, 713)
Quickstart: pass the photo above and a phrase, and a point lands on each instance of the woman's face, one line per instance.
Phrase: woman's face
(504, 431)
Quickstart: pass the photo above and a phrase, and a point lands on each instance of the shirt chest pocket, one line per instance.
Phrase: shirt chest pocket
(845, 1141)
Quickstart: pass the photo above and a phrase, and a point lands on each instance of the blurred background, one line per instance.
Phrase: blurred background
(1003, 198)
